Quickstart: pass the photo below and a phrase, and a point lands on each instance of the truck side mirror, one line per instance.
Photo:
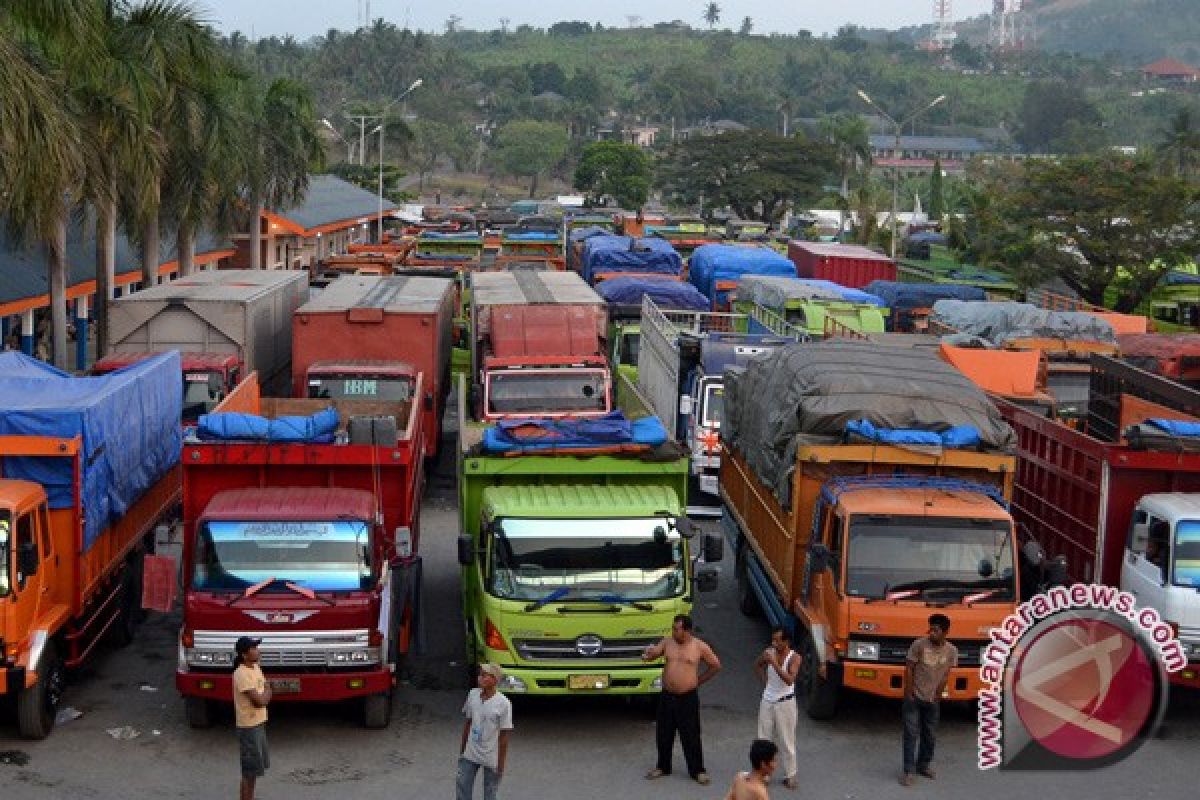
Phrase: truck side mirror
(714, 548)
(27, 560)
(466, 550)
(706, 579)
(1033, 553)
(820, 558)
(685, 404)
(1140, 538)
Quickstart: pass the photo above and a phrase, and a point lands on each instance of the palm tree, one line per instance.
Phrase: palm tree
(849, 135)
(712, 15)
(1180, 147)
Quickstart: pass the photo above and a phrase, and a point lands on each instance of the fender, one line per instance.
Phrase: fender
(817, 627)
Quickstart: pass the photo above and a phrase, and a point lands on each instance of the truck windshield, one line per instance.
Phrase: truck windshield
(5, 547)
(713, 409)
(1187, 553)
(551, 391)
(935, 558)
(592, 559)
(631, 342)
(390, 389)
(201, 393)
(323, 556)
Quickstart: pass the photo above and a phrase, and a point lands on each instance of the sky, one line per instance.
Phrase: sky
(306, 18)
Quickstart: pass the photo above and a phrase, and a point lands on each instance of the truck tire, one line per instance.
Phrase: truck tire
(820, 694)
(377, 710)
(199, 712)
(37, 706)
(746, 599)
(470, 661)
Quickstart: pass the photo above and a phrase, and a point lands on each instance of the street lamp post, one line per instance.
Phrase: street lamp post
(899, 128)
(380, 131)
(337, 133)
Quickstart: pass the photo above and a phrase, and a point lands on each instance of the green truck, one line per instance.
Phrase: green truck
(812, 306)
(574, 562)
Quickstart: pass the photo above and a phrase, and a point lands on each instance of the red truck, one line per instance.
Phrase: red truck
(538, 346)
(850, 265)
(311, 546)
(1171, 355)
(366, 338)
(207, 377)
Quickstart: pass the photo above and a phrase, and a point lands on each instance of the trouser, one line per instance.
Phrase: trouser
(777, 722)
(680, 712)
(465, 783)
(920, 733)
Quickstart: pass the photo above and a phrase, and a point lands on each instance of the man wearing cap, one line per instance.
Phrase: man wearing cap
(485, 735)
(250, 697)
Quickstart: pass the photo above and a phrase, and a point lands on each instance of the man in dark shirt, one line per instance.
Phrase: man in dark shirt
(929, 662)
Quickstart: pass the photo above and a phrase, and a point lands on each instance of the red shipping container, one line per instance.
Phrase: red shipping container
(848, 264)
(158, 583)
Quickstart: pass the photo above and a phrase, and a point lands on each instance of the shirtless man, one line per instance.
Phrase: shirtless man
(679, 703)
(752, 785)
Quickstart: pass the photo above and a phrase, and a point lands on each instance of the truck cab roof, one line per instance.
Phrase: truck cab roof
(301, 504)
(363, 366)
(18, 495)
(1173, 506)
(202, 362)
(922, 503)
(580, 501)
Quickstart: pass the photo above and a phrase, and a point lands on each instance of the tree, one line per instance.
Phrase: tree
(937, 197)
(756, 173)
(1054, 116)
(1180, 145)
(614, 169)
(747, 26)
(850, 137)
(432, 141)
(528, 148)
(712, 15)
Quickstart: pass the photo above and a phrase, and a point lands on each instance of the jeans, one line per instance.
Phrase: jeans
(679, 712)
(920, 733)
(465, 783)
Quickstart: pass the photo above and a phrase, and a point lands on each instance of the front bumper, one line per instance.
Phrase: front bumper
(322, 687)
(555, 681)
(887, 680)
(1188, 677)
(13, 680)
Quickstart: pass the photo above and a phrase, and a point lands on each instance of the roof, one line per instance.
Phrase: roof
(1173, 505)
(291, 503)
(400, 294)
(527, 287)
(236, 285)
(1170, 67)
(832, 250)
(206, 362)
(330, 199)
(579, 501)
(968, 144)
(921, 502)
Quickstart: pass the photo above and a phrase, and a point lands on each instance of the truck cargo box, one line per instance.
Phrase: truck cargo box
(847, 264)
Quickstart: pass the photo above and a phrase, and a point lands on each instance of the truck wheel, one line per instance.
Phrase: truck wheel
(470, 662)
(37, 706)
(747, 601)
(199, 711)
(820, 694)
(377, 710)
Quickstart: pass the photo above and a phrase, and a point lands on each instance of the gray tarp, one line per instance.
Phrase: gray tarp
(774, 291)
(806, 393)
(1000, 322)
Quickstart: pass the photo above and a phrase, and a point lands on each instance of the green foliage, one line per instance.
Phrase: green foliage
(937, 197)
(1180, 146)
(432, 141)
(614, 169)
(528, 148)
(1140, 31)
(1057, 117)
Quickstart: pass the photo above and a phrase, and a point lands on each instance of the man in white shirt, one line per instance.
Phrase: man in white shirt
(485, 735)
(777, 668)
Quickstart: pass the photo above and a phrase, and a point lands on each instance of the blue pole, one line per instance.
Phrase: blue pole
(81, 332)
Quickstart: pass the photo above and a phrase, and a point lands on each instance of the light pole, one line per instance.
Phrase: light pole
(899, 126)
(379, 130)
(337, 133)
(362, 119)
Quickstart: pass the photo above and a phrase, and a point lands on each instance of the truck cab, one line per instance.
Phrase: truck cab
(30, 584)
(1161, 567)
(207, 378)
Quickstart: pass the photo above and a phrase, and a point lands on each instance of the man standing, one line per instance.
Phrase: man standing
(777, 668)
(485, 735)
(679, 703)
(753, 785)
(929, 662)
(250, 697)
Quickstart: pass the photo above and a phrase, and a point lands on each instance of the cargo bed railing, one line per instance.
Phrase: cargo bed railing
(837, 329)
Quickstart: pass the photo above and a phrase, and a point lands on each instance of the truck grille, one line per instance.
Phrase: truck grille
(584, 648)
(1189, 637)
(894, 649)
(291, 649)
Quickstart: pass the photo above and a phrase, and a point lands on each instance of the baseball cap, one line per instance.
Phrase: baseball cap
(495, 670)
(244, 643)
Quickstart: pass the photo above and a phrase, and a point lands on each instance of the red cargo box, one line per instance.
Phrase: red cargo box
(848, 264)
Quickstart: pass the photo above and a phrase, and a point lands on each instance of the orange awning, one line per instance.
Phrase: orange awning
(1008, 373)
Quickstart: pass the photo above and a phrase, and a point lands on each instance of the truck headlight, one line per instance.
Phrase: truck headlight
(656, 684)
(863, 651)
(511, 683)
(209, 658)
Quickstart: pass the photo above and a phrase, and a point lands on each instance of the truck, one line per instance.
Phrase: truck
(848, 264)
(850, 540)
(683, 357)
(369, 337)
(910, 304)
(1120, 509)
(715, 269)
(537, 346)
(624, 297)
(608, 257)
(308, 542)
(575, 560)
(1171, 355)
(224, 323)
(89, 468)
(807, 306)
(457, 251)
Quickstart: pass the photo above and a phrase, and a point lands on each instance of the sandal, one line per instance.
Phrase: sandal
(655, 774)
(927, 772)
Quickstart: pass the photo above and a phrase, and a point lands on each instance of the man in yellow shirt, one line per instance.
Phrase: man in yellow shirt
(250, 697)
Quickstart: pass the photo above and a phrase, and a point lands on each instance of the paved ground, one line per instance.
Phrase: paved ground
(561, 749)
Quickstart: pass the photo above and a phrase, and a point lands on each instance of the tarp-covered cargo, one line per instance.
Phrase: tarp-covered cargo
(129, 424)
(900, 296)
(609, 432)
(587, 232)
(774, 291)
(19, 365)
(809, 394)
(715, 263)
(630, 290)
(625, 254)
(1000, 323)
(846, 293)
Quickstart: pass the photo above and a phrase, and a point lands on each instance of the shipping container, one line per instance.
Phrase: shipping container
(847, 264)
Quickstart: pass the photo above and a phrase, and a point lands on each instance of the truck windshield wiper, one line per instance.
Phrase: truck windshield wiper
(617, 599)
(303, 591)
(557, 594)
(902, 591)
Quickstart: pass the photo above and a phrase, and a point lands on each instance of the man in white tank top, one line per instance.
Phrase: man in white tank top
(777, 667)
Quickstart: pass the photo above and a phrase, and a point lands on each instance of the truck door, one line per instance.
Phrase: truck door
(1147, 556)
(27, 583)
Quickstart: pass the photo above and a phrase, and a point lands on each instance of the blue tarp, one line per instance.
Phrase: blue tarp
(958, 436)
(1179, 278)
(531, 236)
(712, 263)
(847, 293)
(908, 296)
(129, 423)
(14, 364)
(1176, 427)
(665, 293)
(587, 232)
(228, 426)
(539, 433)
(932, 237)
(624, 254)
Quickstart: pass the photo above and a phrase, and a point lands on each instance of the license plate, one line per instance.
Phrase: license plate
(587, 682)
(284, 685)
(708, 484)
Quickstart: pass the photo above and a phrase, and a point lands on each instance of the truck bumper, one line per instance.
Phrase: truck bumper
(1188, 677)
(12, 680)
(611, 680)
(887, 680)
(313, 687)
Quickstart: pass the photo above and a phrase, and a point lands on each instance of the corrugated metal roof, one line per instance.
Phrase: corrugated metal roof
(399, 294)
(330, 199)
(225, 284)
(968, 144)
(527, 287)
(292, 503)
(578, 501)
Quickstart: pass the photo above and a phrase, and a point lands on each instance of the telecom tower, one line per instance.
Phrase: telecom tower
(943, 25)
(1010, 25)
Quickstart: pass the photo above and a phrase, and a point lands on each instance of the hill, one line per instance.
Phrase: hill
(1135, 31)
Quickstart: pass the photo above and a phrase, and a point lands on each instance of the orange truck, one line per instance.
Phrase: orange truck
(72, 535)
(860, 541)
